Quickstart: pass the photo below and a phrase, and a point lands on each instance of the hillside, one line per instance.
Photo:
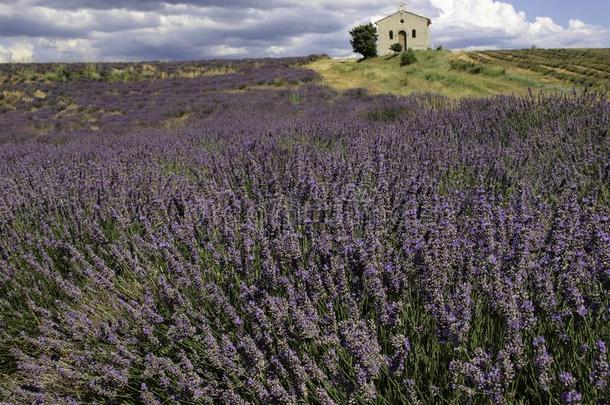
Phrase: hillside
(472, 74)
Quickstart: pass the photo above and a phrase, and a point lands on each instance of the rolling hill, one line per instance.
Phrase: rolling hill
(473, 74)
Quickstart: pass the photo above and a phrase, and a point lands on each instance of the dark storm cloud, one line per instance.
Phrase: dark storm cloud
(215, 24)
(148, 5)
(39, 22)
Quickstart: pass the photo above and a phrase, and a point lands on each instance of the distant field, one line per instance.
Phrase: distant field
(12, 74)
(473, 74)
(581, 67)
(60, 101)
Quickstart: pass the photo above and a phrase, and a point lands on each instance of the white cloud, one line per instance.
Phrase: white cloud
(496, 24)
(71, 30)
(276, 50)
(225, 50)
(70, 50)
(5, 55)
(20, 52)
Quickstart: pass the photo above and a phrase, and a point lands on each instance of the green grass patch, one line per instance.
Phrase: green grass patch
(455, 75)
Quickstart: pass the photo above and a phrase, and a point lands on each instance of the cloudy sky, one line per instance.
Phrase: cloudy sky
(108, 30)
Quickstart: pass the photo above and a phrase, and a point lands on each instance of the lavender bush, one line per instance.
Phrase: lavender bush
(296, 245)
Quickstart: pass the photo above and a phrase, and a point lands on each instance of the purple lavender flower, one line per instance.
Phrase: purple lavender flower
(600, 376)
(566, 379)
(543, 362)
(572, 397)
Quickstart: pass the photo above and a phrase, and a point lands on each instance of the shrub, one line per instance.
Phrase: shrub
(91, 72)
(386, 114)
(408, 57)
(396, 48)
(475, 68)
(364, 40)
(59, 74)
(460, 65)
(121, 75)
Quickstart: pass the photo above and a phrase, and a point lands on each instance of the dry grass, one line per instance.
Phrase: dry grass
(205, 71)
(176, 122)
(431, 74)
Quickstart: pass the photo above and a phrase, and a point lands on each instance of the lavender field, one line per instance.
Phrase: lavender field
(244, 234)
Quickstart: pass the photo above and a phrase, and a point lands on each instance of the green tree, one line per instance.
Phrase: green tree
(364, 40)
(396, 48)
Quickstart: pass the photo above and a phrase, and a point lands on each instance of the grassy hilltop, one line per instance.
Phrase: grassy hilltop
(472, 74)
